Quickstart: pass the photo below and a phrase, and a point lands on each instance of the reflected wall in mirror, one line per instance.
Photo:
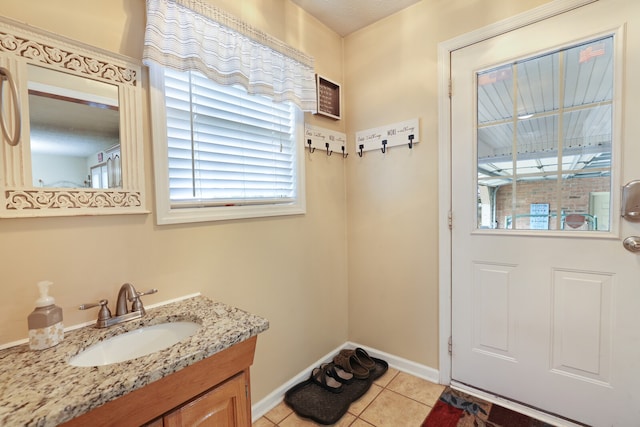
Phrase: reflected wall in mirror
(544, 141)
(81, 150)
(74, 128)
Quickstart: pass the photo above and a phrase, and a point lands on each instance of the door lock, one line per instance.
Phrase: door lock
(632, 243)
(631, 201)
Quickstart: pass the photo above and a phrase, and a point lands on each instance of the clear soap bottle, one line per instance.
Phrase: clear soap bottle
(45, 322)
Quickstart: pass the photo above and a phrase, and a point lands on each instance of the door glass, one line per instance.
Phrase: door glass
(544, 140)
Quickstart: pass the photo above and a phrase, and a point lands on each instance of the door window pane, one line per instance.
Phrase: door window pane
(544, 141)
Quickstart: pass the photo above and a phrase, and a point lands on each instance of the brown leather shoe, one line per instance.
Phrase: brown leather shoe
(348, 361)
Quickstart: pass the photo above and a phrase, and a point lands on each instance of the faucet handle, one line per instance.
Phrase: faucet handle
(140, 294)
(104, 312)
(137, 303)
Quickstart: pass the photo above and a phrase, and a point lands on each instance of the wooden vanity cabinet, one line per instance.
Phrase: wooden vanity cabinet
(224, 406)
(212, 392)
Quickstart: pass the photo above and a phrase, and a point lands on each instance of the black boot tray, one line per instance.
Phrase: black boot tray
(310, 400)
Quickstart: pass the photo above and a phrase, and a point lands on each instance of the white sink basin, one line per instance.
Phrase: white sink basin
(136, 343)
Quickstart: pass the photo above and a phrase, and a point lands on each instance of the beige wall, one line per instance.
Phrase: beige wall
(391, 75)
(292, 270)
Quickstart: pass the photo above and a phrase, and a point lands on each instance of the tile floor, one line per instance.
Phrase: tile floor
(395, 399)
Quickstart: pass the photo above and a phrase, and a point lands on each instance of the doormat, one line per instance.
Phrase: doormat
(310, 400)
(457, 409)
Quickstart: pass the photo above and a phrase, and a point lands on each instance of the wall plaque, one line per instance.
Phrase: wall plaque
(328, 97)
(401, 133)
(325, 139)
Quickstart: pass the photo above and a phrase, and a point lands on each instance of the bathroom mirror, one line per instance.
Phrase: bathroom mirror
(81, 147)
(74, 128)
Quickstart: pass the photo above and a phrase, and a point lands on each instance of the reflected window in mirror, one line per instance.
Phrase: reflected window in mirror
(74, 128)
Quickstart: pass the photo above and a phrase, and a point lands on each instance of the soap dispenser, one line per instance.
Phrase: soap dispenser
(45, 322)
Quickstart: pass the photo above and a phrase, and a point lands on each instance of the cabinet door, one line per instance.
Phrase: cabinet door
(222, 406)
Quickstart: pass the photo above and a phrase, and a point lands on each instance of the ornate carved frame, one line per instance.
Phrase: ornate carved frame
(21, 45)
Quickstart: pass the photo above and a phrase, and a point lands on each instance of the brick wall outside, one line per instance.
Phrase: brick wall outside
(575, 198)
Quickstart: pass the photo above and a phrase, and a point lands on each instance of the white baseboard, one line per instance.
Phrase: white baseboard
(404, 365)
(275, 397)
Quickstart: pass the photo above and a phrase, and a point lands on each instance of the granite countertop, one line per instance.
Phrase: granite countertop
(40, 388)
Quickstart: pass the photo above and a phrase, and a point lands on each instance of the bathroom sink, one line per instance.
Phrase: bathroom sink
(137, 343)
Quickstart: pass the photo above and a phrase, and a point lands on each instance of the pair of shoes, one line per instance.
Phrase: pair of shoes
(337, 373)
(323, 377)
(358, 362)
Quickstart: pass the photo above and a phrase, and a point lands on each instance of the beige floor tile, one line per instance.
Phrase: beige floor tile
(391, 409)
(416, 388)
(387, 377)
(359, 405)
(361, 423)
(294, 420)
(279, 413)
(263, 422)
(346, 420)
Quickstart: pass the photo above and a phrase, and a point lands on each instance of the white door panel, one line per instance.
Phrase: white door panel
(549, 318)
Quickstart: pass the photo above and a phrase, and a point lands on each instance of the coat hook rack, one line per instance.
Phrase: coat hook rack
(391, 135)
(326, 144)
(311, 150)
(344, 154)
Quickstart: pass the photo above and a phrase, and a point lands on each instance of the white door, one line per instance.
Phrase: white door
(545, 303)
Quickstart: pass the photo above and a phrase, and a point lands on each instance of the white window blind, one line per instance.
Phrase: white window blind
(225, 147)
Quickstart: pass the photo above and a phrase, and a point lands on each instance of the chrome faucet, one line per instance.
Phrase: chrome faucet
(126, 294)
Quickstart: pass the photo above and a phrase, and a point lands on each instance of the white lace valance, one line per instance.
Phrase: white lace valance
(190, 35)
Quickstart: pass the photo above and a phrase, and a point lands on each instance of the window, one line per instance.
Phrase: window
(545, 140)
(220, 153)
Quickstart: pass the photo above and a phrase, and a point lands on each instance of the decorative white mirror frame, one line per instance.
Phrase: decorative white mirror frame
(21, 45)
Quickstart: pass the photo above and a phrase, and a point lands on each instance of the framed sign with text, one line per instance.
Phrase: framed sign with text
(328, 97)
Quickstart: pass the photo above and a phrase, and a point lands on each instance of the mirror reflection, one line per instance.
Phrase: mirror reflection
(74, 131)
(544, 141)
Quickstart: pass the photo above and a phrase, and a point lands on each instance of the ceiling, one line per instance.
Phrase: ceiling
(75, 129)
(346, 16)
